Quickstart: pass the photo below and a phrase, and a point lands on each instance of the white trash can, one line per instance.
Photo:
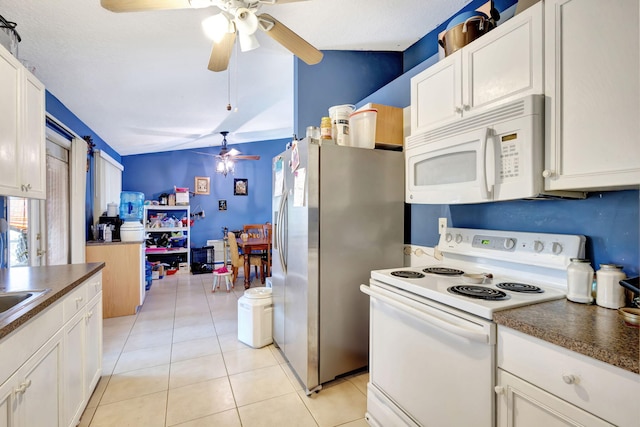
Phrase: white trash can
(255, 317)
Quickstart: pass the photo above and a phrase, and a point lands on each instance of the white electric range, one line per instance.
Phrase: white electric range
(432, 342)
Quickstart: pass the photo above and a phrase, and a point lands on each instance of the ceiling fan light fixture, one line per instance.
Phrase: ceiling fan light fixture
(225, 166)
(215, 27)
(246, 21)
(248, 42)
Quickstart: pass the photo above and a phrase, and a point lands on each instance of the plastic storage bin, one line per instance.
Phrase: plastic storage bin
(362, 126)
(255, 317)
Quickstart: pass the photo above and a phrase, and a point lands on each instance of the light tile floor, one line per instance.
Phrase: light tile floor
(178, 362)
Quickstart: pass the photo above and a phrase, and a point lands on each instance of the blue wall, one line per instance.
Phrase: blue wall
(342, 77)
(157, 173)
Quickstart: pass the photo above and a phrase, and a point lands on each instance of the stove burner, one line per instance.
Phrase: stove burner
(520, 287)
(406, 274)
(478, 292)
(443, 271)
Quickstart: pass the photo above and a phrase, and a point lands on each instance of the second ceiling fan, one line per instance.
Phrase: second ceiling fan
(237, 19)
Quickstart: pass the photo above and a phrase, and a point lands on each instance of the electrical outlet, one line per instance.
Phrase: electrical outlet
(442, 225)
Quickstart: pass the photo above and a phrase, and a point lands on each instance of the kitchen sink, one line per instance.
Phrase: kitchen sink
(13, 301)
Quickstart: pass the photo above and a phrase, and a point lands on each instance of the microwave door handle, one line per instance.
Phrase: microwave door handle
(485, 191)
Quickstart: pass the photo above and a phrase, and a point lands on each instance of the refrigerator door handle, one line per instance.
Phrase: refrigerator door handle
(281, 230)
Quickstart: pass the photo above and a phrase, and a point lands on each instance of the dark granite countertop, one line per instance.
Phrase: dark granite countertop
(61, 279)
(591, 330)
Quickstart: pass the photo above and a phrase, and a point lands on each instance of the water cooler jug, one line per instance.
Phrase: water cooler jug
(131, 212)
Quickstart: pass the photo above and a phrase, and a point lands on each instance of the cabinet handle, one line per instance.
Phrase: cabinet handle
(78, 301)
(548, 173)
(466, 107)
(26, 187)
(569, 378)
(457, 110)
(499, 390)
(23, 387)
(89, 315)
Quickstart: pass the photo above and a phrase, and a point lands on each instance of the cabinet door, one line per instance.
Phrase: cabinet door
(505, 63)
(9, 107)
(32, 146)
(74, 344)
(93, 345)
(7, 403)
(591, 82)
(521, 404)
(436, 94)
(40, 403)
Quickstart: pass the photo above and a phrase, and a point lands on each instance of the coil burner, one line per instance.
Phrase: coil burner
(478, 292)
(443, 271)
(520, 287)
(406, 274)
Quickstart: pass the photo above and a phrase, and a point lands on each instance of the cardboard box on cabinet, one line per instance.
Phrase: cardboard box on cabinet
(389, 125)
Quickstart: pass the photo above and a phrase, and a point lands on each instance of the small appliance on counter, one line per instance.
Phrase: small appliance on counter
(113, 221)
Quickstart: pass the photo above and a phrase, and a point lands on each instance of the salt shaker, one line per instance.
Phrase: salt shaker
(579, 281)
(609, 293)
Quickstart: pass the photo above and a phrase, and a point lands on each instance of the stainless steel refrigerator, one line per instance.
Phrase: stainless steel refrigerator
(338, 213)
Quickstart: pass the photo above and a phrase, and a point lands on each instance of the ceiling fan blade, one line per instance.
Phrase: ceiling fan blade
(290, 40)
(221, 52)
(246, 157)
(142, 5)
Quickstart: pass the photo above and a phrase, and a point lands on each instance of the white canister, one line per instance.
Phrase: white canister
(579, 281)
(609, 293)
(112, 209)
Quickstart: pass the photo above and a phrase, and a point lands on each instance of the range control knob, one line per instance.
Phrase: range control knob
(458, 238)
(538, 246)
(509, 243)
(556, 248)
(448, 237)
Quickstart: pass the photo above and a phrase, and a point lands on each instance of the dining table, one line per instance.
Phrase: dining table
(249, 245)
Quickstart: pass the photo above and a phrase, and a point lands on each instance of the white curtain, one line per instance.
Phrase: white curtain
(78, 190)
(108, 183)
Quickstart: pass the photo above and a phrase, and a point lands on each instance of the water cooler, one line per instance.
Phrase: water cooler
(131, 212)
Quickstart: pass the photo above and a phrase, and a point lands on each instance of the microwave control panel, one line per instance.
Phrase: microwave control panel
(509, 156)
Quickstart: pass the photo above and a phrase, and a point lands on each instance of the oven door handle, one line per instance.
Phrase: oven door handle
(432, 320)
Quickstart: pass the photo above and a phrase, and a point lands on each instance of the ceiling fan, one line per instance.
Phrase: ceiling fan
(227, 157)
(237, 18)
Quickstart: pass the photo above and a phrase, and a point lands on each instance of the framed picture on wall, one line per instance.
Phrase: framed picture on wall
(240, 187)
(202, 185)
(222, 205)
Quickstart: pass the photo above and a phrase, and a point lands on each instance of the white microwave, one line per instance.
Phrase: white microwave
(494, 155)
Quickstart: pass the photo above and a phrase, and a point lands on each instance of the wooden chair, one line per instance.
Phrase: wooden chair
(237, 261)
(266, 258)
(254, 230)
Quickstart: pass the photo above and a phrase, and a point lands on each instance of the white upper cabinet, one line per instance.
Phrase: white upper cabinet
(22, 140)
(593, 94)
(503, 64)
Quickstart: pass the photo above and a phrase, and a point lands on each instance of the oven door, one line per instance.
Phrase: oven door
(430, 365)
(458, 169)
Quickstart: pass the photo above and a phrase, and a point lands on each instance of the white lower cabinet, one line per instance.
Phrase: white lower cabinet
(53, 386)
(32, 396)
(542, 384)
(82, 347)
(521, 404)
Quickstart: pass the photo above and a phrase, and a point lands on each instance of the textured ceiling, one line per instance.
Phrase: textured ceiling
(140, 80)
